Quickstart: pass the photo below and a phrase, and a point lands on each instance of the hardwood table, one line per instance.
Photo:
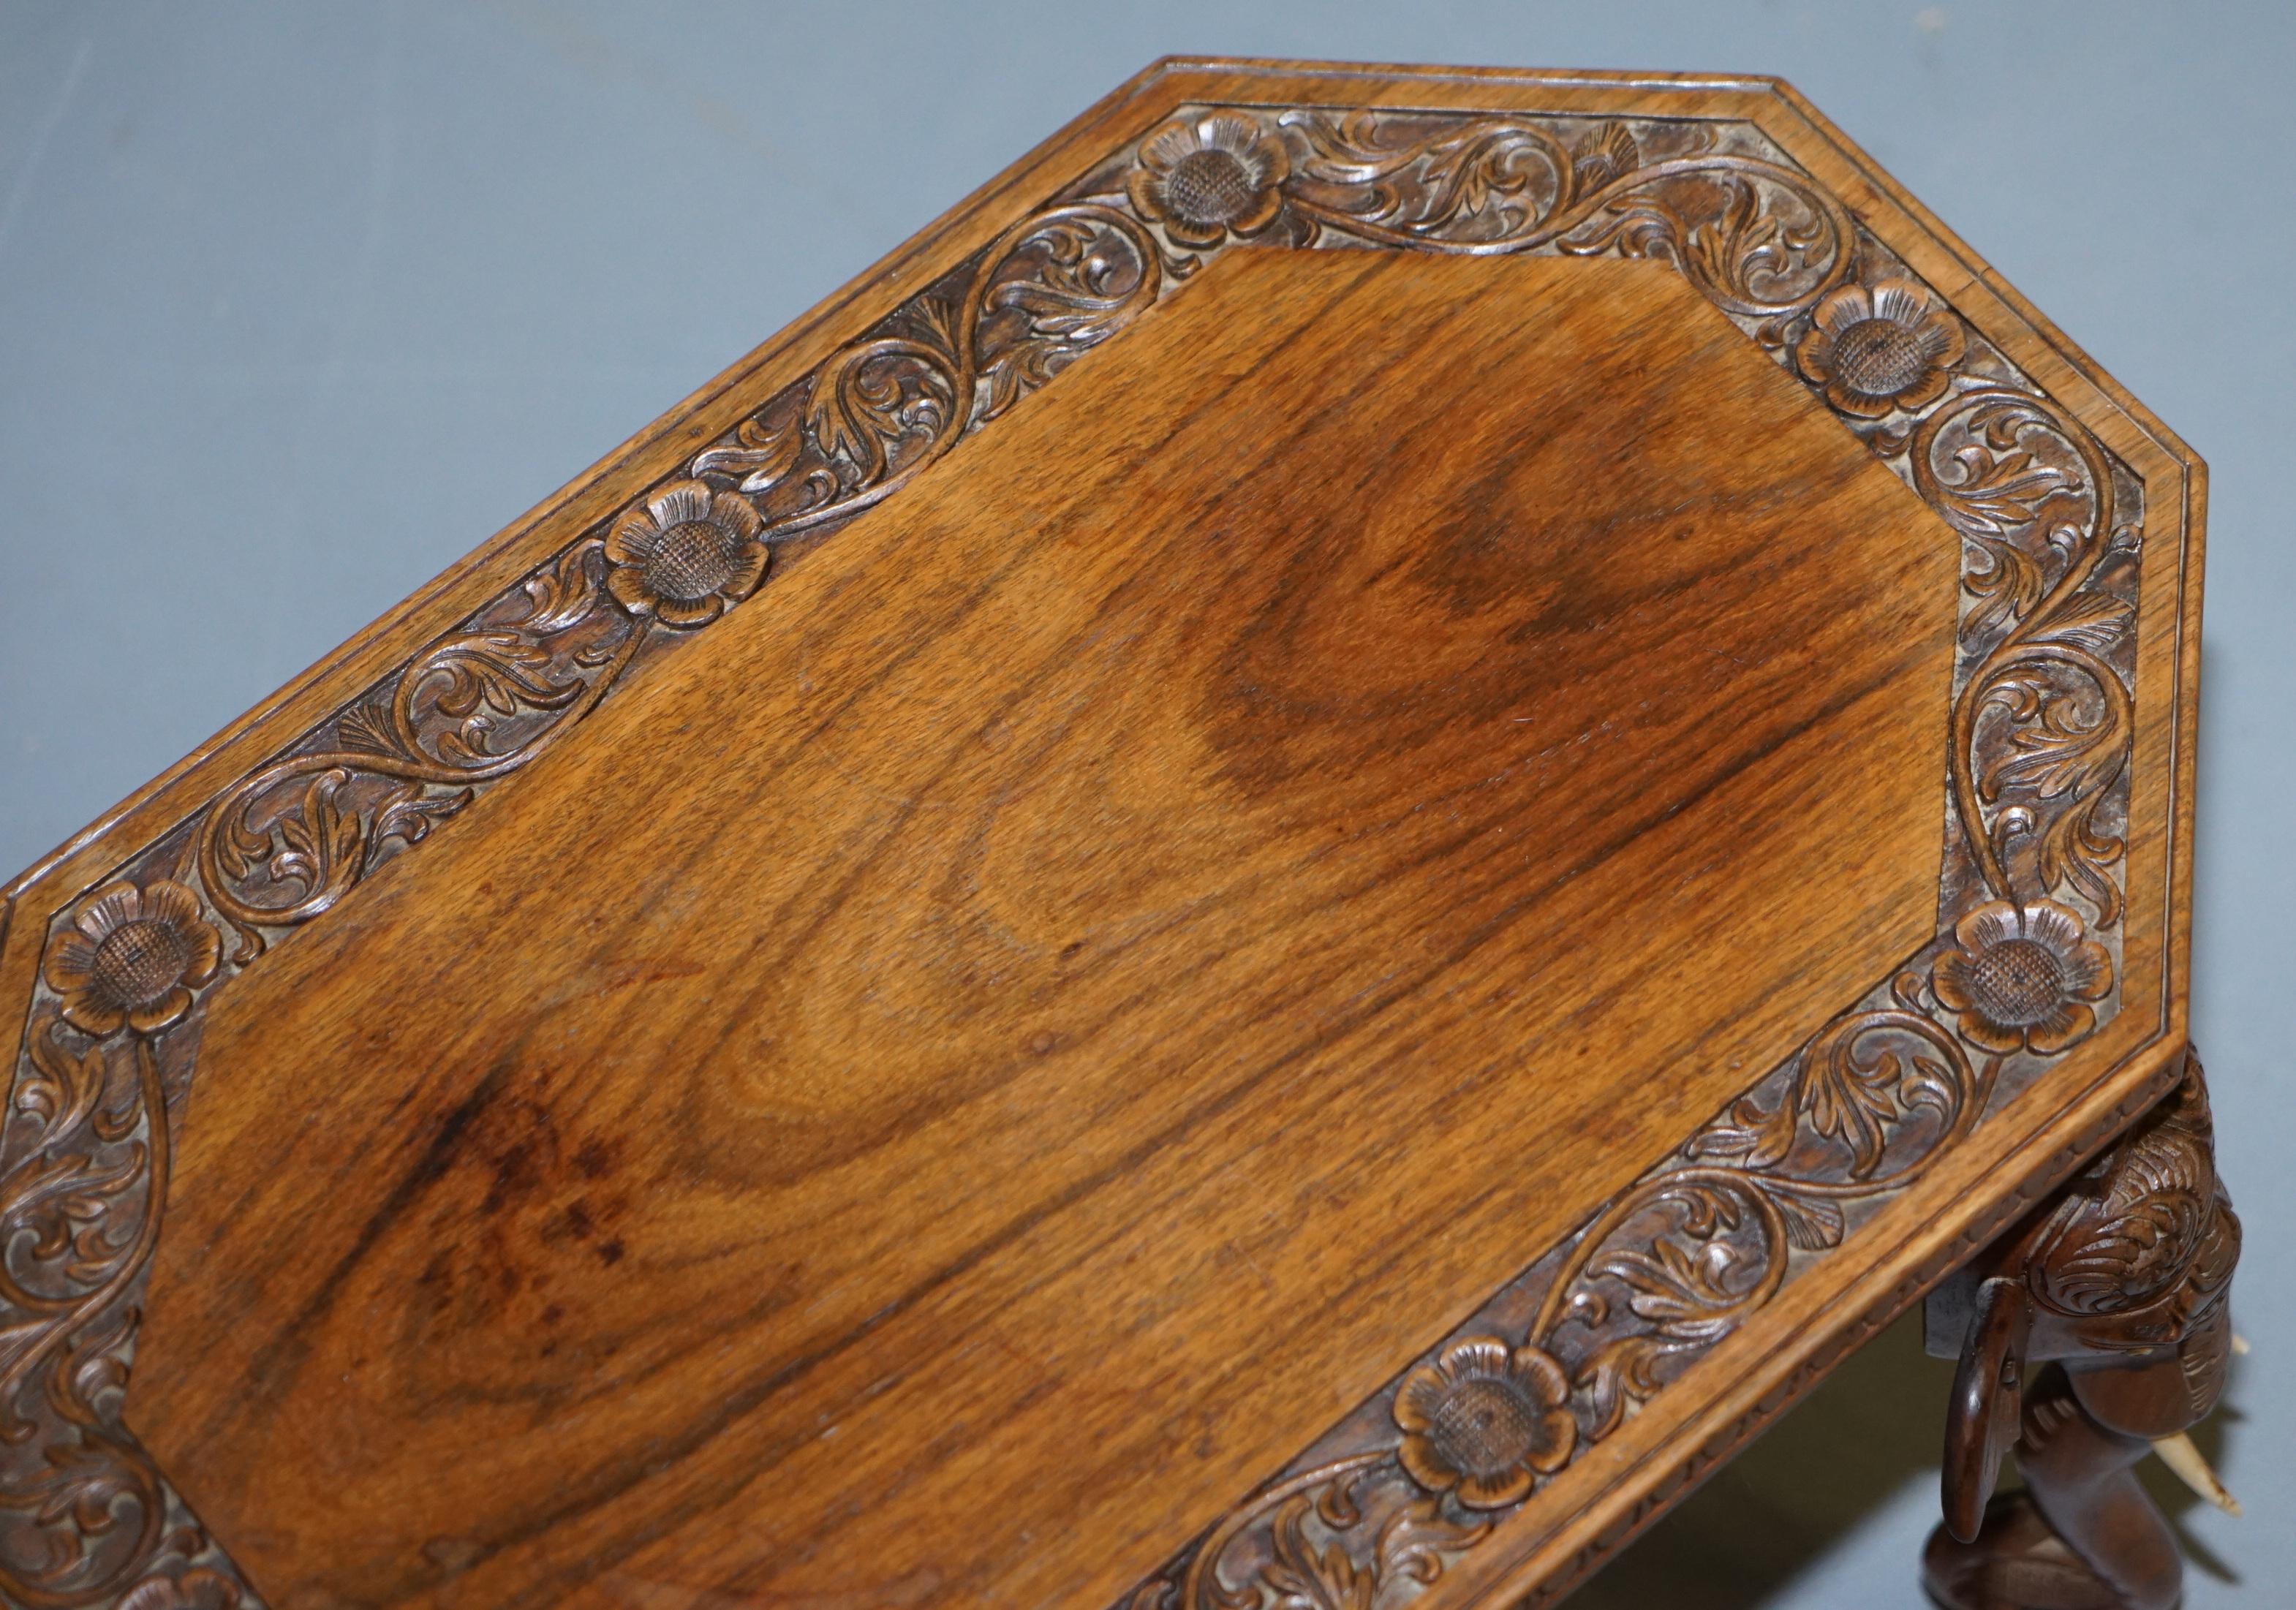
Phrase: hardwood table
(1280, 876)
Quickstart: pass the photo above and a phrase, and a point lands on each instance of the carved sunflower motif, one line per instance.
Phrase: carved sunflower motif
(2022, 976)
(685, 553)
(1484, 1420)
(1204, 178)
(1879, 347)
(131, 958)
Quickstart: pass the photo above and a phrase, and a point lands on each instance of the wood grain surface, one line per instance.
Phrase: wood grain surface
(1297, 842)
(993, 1049)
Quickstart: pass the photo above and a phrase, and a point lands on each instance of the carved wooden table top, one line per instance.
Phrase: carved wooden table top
(1280, 874)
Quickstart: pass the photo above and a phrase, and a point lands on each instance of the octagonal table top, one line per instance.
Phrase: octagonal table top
(1291, 865)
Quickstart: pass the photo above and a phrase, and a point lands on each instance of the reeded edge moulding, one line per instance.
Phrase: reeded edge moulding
(2028, 962)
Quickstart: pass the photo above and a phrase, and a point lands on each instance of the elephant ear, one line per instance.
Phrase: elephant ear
(1987, 1401)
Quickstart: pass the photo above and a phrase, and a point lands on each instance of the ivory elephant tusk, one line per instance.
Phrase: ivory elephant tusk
(2240, 1345)
(2178, 1454)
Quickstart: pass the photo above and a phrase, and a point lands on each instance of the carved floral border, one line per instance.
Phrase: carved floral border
(2025, 964)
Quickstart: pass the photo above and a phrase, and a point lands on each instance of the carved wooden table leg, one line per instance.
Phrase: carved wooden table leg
(2096, 1328)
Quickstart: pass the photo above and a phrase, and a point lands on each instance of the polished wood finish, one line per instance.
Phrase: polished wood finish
(1434, 776)
(1269, 779)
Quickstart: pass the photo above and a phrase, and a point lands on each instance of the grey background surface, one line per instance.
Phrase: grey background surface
(299, 302)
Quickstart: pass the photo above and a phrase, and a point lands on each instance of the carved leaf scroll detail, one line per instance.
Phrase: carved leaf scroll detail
(2043, 721)
(1757, 236)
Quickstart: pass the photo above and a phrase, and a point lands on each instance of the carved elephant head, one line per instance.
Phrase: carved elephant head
(2123, 1282)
